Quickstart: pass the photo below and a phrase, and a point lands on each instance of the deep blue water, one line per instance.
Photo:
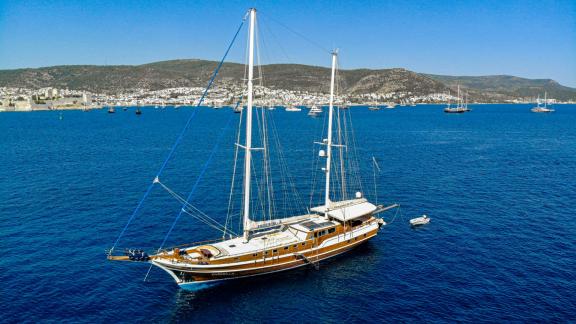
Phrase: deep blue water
(499, 184)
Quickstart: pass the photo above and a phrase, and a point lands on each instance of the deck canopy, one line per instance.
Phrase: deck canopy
(348, 209)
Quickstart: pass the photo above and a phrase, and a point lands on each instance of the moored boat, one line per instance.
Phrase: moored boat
(422, 220)
(271, 244)
(293, 109)
(315, 111)
(544, 108)
(461, 105)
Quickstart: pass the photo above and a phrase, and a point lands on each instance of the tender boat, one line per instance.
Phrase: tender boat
(422, 220)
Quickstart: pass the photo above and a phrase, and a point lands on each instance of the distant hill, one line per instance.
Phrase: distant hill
(508, 86)
(195, 73)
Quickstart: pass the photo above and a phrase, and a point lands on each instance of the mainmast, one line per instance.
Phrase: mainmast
(329, 139)
(459, 101)
(248, 144)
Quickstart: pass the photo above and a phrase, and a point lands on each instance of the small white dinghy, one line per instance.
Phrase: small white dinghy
(422, 220)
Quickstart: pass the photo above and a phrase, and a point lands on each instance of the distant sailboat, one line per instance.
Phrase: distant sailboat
(542, 109)
(315, 111)
(460, 107)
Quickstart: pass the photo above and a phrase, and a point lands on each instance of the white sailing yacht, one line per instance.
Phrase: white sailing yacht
(461, 107)
(542, 109)
(315, 111)
(273, 245)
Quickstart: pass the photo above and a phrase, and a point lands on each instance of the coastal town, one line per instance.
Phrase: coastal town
(22, 99)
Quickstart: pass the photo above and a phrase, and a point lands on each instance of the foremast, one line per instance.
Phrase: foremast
(248, 144)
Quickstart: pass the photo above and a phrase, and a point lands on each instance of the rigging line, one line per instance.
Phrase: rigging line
(374, 168)
(201, 215)
(217, 227)
(299, 34)
(183, 201)
(259, 189)
(204, 168)
(317, 160)
(230, 204)
(284, 166)
(274, 38)
(179, 139)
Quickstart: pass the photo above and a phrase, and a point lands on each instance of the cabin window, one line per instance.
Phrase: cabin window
(320, 233)
(348, 241)
(274, 251)
(295, 245)
(266, 253)
(364, 235)
(254, 254)
(286, 247)
(303, 244)
(232, 246)
(332, 230)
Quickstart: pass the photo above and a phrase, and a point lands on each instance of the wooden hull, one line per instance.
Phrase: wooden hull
(189, 276)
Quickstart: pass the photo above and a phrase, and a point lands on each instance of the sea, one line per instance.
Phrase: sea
(499, 184)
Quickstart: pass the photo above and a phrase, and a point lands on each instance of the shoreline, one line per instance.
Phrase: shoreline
(82, 108)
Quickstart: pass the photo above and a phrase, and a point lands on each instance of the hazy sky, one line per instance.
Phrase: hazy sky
(533, 39)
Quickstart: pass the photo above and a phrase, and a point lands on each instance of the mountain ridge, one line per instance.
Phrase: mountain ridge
(295, 77)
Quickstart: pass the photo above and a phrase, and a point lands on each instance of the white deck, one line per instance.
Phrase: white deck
(263, 241)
